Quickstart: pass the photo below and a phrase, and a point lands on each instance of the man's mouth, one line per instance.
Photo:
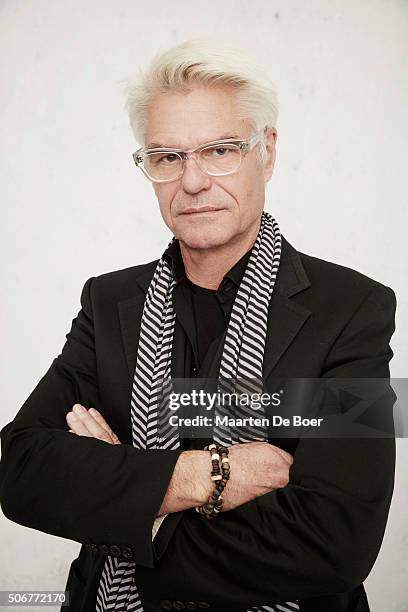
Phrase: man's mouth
(202, 209)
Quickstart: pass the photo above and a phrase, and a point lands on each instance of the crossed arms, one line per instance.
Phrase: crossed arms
(259, 467)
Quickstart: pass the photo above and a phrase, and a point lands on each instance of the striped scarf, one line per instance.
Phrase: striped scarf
(240, 370)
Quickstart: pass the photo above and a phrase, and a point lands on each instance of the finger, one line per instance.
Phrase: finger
(99, 419)
(91, 424)
(77, 425)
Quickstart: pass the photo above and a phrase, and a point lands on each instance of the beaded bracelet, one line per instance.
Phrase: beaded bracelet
(220, 474)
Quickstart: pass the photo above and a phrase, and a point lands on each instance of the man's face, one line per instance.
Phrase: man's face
(186, 121)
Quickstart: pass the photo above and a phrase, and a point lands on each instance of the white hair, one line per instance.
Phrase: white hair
(206, 62)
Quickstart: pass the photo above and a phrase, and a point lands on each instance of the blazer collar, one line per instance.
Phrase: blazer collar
(285, 316)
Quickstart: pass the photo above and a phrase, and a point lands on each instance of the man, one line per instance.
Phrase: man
(302, 519)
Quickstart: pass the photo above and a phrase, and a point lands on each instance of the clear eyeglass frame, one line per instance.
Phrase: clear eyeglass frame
(244, 146)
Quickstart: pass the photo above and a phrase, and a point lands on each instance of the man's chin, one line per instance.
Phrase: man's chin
(203, 239)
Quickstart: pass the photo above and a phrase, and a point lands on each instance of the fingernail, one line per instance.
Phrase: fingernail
(78, 408)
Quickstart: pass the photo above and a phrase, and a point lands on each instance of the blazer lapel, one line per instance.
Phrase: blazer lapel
(285, 317)
(285, 320)
(130, 316)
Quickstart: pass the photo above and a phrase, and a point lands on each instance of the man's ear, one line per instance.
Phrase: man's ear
(270, 137)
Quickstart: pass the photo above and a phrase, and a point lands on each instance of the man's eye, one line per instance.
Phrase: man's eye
(170, 158)
(220, 151)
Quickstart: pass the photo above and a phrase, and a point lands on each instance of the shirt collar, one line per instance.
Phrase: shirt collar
(174, 258)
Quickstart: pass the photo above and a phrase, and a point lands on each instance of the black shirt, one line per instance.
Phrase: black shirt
(203, 313)
(202, 317)
(209, 317)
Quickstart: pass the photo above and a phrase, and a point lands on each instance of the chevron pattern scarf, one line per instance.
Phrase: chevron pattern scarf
(241, 367)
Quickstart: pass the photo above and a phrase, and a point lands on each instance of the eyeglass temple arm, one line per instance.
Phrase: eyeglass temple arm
(255, 138)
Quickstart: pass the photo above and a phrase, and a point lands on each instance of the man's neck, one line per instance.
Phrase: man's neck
(207, 267)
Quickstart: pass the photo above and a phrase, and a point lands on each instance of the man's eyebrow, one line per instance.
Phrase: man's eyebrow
(227, 135)
(155, 145)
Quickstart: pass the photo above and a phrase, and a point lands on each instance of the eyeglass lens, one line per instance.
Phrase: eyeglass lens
(215, 160)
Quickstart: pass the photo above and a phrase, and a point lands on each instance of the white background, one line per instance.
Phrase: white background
(73, 205)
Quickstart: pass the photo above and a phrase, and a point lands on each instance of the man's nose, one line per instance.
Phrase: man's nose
(194, 179)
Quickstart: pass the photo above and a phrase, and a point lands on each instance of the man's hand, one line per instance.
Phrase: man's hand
(256, 468)
(91, 423)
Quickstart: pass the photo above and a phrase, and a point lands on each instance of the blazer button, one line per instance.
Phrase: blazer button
(166, 604)
(191, 605)
(127, 552)
(203, 604)
(104, 548)
(115, 550)
(178, 605)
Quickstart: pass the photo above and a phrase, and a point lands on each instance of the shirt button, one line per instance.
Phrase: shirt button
(195, 371)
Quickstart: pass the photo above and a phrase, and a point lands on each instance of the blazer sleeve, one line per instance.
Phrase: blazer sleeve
(317, 536)
(78, 487)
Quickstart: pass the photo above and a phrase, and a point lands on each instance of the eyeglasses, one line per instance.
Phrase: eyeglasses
(217, 158)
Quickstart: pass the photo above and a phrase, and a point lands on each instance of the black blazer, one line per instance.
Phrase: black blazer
(314, 540)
